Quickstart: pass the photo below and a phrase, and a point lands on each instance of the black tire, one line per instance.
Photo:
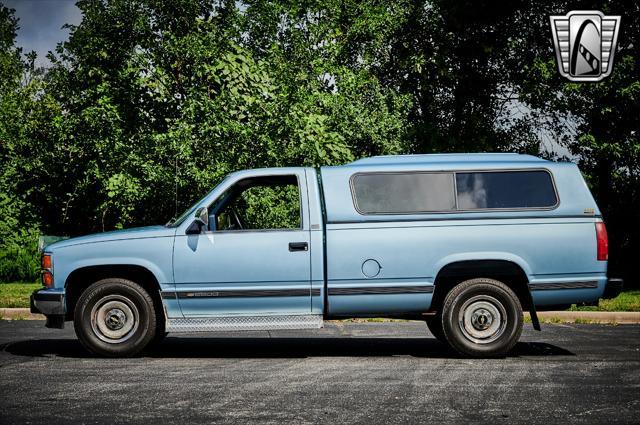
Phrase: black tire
(482, 318)
(434, 323)
(115, 318)
(157, 340)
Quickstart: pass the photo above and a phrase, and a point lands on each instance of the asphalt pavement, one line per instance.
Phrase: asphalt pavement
(365, 373)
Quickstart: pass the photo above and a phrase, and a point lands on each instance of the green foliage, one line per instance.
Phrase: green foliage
(264, 207)
(597, 124)
(19, 258)
(150, 103)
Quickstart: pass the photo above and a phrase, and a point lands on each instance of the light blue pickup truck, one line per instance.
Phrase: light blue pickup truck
(464, 242)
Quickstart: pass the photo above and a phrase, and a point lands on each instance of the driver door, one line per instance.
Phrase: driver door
(254, 258)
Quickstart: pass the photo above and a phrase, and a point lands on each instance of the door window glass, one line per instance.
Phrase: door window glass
(271, 202)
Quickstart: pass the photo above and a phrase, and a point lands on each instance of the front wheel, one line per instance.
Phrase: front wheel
(115, 318)
(482, 318)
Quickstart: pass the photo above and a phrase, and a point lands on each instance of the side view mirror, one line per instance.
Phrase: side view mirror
(202, 216)
(201, 219)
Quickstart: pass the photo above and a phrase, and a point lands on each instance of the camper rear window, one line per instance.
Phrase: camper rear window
(505, 190)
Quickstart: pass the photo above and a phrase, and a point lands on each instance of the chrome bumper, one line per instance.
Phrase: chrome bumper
(51, 303)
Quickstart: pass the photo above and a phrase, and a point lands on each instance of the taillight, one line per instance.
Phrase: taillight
(47, 270)
(603, 242)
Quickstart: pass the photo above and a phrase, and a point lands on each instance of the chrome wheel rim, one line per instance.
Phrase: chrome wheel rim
(482, 319)
(114, 319)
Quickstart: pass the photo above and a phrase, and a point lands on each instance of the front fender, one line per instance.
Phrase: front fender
(154, 254)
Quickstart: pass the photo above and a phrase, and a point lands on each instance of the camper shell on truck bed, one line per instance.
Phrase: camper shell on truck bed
(464, 242)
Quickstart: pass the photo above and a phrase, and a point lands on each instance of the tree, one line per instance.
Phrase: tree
(597, 123)
(23, 110)
(160, 99)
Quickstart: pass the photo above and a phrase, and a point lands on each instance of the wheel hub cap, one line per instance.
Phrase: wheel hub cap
(482, 319)
(114, 319)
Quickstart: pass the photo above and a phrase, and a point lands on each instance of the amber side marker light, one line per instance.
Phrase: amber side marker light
(46, 261)
(47, 279)
(47, 275)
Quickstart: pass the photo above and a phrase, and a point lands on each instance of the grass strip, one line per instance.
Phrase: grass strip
(16, 294)
(626, 301)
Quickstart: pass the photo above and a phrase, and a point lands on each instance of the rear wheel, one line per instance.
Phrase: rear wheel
(115, 318)
(482, 318)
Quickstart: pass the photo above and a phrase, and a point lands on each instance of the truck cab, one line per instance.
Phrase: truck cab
(463, 242)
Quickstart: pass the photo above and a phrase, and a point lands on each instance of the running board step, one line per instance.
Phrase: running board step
(244, 323)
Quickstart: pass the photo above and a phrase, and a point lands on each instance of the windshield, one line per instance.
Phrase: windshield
(175, 222)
